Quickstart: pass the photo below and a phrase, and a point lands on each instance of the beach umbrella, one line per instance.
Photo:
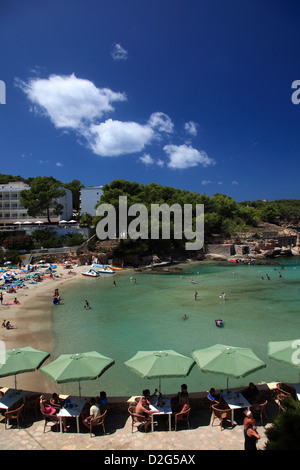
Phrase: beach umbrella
(286, 351)
(20, 360)
(7, 262)
(228, 360)
(62, 221)
(160, 364)
(77, 367)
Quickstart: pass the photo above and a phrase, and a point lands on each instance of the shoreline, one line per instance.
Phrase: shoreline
(34, 321)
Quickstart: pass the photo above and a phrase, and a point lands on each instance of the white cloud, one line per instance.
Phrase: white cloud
(161, 122)
(147, 159)
(58, 164)
(113, 138)
(70, 102)
(205, 182)
(118, 52)
(185, 156)
(76, 104)
(234, 183)
(191, 128)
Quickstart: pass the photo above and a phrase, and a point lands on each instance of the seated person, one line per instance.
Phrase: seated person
(45, 407)
(251, 393)
(56, 402)
(181, 399)
(9, 326)
(145, 413)
(146, 397)
(212, 395)
(94, 412)
(102, 401)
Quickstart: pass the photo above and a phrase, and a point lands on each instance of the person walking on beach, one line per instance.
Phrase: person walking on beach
(1, 298)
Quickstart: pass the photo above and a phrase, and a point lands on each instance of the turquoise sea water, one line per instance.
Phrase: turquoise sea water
(148, 316)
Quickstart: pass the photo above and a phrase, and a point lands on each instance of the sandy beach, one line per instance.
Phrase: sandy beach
(33, 320)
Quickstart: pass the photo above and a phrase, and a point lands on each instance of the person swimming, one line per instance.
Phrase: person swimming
(219, 322)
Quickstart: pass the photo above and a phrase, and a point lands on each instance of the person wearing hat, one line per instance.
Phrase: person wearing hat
(250, 432)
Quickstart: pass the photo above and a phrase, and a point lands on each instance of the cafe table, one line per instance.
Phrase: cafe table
(11, 397)
(163, 407)
(235, 400)
(72, 408)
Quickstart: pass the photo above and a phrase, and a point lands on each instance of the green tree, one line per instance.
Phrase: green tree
(285, 432)
(41, 195)
(75, 186)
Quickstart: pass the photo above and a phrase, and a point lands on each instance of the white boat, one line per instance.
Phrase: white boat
(91, 273)
(103, 268)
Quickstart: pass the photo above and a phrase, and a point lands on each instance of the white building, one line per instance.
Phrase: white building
(89, 198)
(12, 211)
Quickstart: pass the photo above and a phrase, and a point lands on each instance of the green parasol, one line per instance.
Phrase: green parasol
(77, 367)
(20, 360)
(286, 351)
(228, 360)
(160, 364)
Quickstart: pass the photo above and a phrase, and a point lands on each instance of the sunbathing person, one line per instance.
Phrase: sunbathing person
(9, 326)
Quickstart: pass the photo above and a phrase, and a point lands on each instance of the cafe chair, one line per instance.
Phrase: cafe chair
(259, 408)
(14, 414)
(99, 421)
(222, 415)
(136, 419)
(281, 397)
(285, 389)
(183, 416)
(212, 402)
(51, 420)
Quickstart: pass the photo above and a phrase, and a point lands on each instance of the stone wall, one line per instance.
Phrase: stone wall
(221, 250)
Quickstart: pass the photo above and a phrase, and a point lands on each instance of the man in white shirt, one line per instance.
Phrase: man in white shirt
(94, 413)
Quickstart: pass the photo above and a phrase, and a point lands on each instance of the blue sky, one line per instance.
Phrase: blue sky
(194, 94)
